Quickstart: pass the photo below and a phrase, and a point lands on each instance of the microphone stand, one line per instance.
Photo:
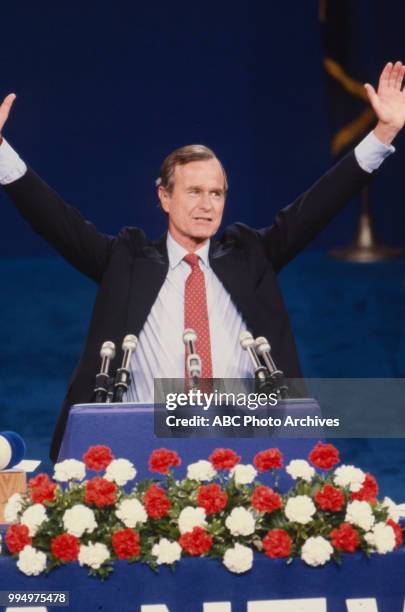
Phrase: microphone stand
(122, 382)
(193, 359)
(123, 376)
(276, 376)
(103, 379)
(261, 374)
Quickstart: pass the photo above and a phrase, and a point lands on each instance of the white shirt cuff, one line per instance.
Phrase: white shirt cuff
(371, 152)
(12, 166)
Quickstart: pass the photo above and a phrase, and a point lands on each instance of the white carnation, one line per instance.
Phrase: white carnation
(391, 506)
(166, 551)
(31, 561)
(69, 469)
(238, 559)
(131, 512)
(33, 517)
(359, 513)
(93, 555)
(316, 551)
(191, 517)
(79, 519)
(120, 471)
(300, 509)
(243, 474)
(299, 468)
(201, 470)
(12, 508)
(382, 538)
(349, 476)
(240, 522)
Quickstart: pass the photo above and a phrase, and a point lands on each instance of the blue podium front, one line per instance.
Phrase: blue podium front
(363, 584)
(203, 585)
(128, 429)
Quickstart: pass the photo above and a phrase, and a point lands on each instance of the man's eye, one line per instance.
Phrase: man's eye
(217, 194)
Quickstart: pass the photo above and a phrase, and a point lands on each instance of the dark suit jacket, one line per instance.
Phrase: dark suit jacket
(131, 268)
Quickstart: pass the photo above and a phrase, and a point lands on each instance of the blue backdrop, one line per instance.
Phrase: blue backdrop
(106, 90)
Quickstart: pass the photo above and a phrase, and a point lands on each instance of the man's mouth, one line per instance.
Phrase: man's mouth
(204, 219)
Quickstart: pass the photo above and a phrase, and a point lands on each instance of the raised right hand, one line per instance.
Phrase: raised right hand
(5, 109)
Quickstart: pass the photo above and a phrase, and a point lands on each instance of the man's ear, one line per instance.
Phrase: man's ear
(164, 198)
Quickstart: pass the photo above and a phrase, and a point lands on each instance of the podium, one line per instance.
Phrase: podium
(205, 585)
(129, 430)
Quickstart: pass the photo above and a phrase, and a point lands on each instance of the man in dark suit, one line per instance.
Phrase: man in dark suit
(154, 288)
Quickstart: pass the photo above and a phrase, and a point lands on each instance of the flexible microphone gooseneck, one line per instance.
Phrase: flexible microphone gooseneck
(193, 362)
(107, 354)
(277, 376)
(248, 344)
(123, 376)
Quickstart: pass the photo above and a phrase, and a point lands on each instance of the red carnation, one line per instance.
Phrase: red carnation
(368, 491)
(100, 492)
(42, 489)
(268, 459)
(397, 532)
(345, 537)
(224, 458)
(156, 502)
(265, 499)
(98, 457)
(324, 456)
(196, 542)
(212, 498)
(277, 543)
(126, 543)
(162, 459)
(17, 537)
(330, 498)
(65, 547)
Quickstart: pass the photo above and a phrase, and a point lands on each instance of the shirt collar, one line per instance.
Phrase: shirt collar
(176, 252)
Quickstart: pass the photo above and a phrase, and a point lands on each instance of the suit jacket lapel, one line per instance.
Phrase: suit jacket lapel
(230, 265)
(149, 270)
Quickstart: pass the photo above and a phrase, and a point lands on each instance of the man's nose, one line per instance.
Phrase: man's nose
(206, 203)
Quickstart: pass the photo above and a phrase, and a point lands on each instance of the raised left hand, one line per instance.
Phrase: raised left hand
(389, 101)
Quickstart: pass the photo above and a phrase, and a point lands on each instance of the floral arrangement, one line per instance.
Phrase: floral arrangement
(219, 510)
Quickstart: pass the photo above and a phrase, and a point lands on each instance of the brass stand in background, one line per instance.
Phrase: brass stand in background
(365, 248)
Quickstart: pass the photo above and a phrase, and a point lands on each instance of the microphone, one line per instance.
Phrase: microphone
(189, 339)
(248, 344)
(263, 348)
(123, 376)
(12, 449)
(107, 354)
(193, 362)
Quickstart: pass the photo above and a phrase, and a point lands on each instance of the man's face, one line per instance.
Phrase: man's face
(196, 203)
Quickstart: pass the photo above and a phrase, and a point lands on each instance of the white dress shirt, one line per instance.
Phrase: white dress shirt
(160, 352)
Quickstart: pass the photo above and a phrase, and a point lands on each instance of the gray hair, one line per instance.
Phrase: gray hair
(181, 157)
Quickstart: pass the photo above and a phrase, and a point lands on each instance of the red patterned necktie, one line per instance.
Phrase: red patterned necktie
(196, 313)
